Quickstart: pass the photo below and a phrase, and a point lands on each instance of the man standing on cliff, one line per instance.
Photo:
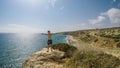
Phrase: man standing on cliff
(49, 41)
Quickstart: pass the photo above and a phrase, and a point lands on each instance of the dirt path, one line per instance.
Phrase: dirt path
(114, 52)
(81, 45)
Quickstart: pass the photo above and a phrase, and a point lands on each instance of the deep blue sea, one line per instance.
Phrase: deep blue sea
(16, 48)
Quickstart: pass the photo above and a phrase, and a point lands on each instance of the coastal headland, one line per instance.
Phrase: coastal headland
(97, 48)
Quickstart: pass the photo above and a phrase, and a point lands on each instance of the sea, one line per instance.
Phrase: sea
(15, 48)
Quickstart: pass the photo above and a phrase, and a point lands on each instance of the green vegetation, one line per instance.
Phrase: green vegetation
(116, 40)
(86, 59)
(118, 44)
(69, 50)
(82, 59)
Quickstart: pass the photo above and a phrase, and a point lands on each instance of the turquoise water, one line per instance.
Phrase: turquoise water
(16, 48)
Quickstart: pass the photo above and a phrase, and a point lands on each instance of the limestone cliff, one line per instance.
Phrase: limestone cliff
(44, 59)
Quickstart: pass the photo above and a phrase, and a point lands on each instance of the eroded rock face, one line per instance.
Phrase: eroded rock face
(44, 59)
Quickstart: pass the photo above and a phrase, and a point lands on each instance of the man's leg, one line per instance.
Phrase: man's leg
(48, 48)
(51, 47)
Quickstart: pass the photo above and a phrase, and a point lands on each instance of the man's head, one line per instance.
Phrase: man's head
(48, 31)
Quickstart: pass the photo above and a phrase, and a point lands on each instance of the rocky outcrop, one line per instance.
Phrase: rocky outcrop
(44, 59)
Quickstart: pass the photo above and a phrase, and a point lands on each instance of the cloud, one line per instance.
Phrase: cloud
(17, 28)
(99, 19)
(113, 14)
(52, 2)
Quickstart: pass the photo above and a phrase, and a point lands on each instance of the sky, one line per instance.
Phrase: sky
(39, 16)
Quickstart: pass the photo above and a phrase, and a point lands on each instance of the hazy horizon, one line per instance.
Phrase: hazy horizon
(39, 16)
